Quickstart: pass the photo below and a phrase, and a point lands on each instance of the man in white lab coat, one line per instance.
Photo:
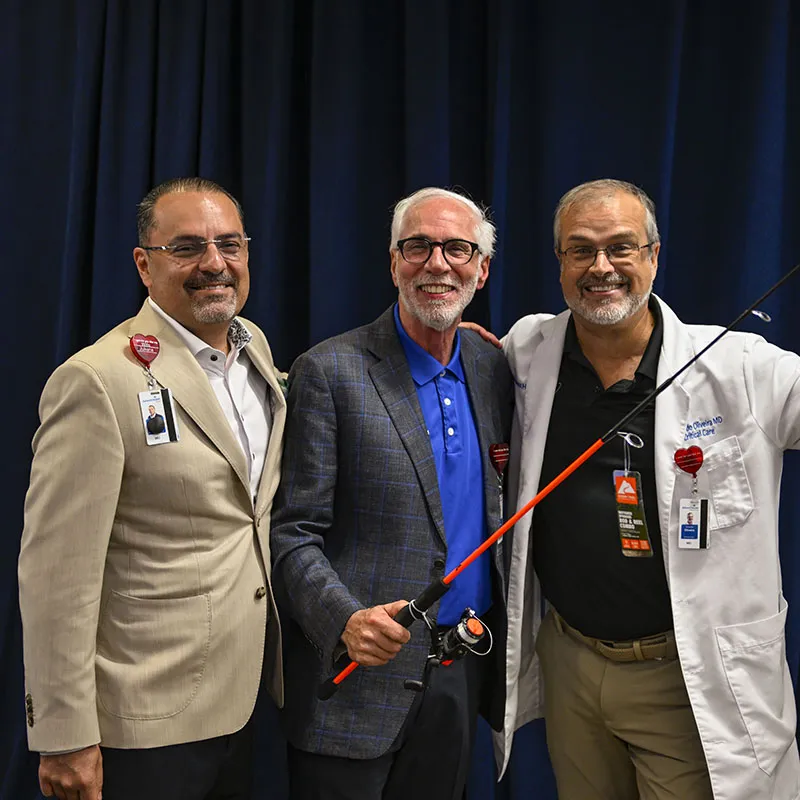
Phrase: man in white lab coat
(661, 643)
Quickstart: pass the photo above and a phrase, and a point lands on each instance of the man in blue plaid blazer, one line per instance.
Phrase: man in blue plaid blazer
(388, 484)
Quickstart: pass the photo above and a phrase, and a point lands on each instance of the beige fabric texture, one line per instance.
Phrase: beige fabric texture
(144, 587)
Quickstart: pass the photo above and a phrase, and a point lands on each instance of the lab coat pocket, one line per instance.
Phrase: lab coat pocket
(729, 486)
(754, 658)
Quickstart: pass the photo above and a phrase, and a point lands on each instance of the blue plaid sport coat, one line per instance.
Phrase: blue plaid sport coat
(358, 522)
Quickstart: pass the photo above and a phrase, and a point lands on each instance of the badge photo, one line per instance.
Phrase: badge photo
(158, 416)
(693, 524)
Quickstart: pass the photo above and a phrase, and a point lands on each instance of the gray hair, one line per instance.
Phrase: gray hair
(485, 232)
(600, 189)
(145, 211)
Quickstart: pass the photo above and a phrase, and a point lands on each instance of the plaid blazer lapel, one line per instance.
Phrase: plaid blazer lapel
(392, 379)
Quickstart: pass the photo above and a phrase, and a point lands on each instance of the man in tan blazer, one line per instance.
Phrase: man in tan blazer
(144, 583)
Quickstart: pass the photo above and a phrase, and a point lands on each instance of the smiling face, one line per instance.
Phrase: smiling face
(205, 293)
(604, 293)
(435, 294)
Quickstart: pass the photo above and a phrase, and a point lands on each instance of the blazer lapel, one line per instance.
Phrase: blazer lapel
(395, 386)
(270, 475)
(177, 369)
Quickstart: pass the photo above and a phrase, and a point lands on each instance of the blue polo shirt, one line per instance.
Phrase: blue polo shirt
(444, 398)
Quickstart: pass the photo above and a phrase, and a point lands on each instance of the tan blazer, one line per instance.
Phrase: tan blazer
(146, 605)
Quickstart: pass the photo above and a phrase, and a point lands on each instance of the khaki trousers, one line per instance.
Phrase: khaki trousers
(618, 730)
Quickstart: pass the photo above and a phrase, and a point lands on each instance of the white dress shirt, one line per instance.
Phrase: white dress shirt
(241, 390)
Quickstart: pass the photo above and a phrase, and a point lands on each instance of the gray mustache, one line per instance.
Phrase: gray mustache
(585, 283)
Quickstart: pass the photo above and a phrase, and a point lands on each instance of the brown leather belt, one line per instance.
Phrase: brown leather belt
(651, 648)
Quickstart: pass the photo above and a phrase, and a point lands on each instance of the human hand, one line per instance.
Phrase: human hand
(372, 636)
(482, 332)
(72, 776)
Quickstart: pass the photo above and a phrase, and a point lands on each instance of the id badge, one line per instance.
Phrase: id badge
(633, 535)
(158, 416)
(693, 524)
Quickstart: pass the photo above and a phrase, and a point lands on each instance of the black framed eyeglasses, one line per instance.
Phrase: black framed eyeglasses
(584, 255)
(195, 249)
(418, 249)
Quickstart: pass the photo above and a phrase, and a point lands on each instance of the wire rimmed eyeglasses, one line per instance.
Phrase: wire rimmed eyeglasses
(584, 255)
(195, 249)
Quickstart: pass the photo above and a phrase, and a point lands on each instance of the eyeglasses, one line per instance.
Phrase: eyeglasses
(229, 249)
(584, 255)
(417, 250)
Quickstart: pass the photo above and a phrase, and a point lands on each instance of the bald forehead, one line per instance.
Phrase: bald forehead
(609, 208)
(606, 199)
(187, 203)
(196, 213)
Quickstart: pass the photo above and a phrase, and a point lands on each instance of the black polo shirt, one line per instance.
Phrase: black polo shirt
(576, 543)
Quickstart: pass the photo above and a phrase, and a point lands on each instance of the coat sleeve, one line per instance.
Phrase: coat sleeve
(772, 377)
(69, 513)
(307, 586)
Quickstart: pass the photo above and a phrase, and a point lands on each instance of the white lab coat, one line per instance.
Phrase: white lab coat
(741, 404)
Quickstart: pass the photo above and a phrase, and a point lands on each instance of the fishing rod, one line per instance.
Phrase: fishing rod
(435, 590)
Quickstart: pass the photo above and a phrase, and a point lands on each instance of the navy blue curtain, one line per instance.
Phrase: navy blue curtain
(319, 115)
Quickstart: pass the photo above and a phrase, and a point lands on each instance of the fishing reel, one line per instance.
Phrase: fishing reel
(454, 643)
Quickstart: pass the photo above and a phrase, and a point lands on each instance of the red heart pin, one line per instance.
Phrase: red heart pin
(145, 348)
(689, 460)
(498, 453)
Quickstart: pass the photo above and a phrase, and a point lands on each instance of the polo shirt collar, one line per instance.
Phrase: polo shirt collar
(648, 366)
(424, 367)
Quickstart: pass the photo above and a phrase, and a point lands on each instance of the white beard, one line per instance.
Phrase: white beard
(438, 314)
(608, 311)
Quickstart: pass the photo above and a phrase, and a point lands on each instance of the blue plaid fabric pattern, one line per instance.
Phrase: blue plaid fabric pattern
(358, 522)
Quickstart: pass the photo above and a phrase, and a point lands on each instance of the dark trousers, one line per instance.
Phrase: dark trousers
(430, 759)
(212, 769)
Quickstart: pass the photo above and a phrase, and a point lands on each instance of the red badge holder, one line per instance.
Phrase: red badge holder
(498, 455)
(692, 511)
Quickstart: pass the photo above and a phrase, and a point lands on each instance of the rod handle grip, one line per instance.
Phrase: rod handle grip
(429, 595)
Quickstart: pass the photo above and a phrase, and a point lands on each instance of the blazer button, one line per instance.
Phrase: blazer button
(261, 592)
(438, 567)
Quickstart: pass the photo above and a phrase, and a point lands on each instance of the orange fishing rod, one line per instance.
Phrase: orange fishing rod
(438, 588)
